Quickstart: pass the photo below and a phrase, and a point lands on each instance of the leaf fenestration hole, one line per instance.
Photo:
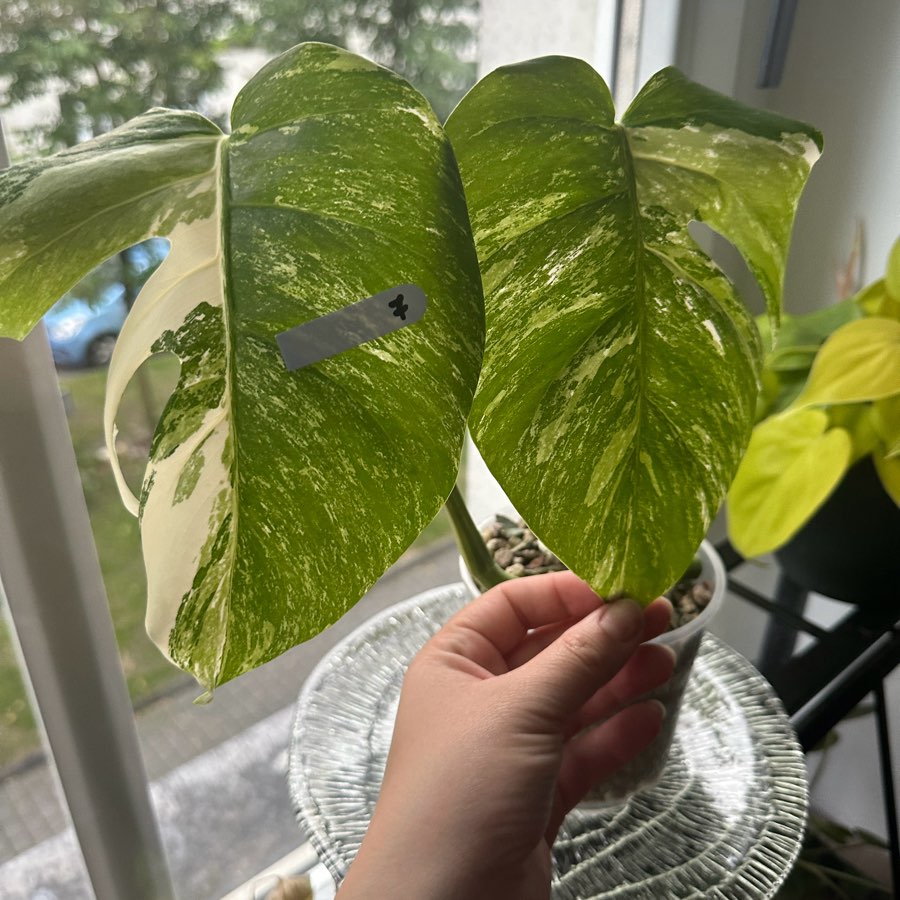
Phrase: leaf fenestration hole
(139, 413)
(727, 257)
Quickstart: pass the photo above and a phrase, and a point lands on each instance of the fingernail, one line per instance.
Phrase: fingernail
(661, 707)
(621, 619)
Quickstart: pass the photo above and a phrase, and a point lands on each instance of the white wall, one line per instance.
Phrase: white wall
(842, 74)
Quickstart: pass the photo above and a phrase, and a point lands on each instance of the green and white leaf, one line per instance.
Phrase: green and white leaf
(620, 370)
(62, 215)
(793, 463)
(859, 362)
(273, 500)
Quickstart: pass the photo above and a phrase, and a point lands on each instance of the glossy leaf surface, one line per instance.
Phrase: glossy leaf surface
(273, 500)
(888, 470)
(886, 414)
(620, 367)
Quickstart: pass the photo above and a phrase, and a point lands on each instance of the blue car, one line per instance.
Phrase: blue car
(83, 326)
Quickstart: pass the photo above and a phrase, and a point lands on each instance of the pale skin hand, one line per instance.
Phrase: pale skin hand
(488, 756)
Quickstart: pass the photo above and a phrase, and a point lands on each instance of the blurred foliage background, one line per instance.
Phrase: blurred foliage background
(105, 61)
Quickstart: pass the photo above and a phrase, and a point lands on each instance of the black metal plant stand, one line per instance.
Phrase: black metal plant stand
(823, 683)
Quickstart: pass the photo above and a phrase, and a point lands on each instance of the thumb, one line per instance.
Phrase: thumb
(568, 672)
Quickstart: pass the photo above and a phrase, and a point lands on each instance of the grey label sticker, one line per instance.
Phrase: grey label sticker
(351, 326)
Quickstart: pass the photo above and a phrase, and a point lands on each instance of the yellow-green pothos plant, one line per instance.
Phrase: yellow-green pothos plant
(619, 366)
(830, 397)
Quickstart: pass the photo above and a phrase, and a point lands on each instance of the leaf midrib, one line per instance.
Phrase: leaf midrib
(654, 159)
(640, 305)
(223, 199)
(630, 180)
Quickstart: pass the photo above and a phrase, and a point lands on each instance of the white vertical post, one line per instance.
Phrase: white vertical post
(52, 581)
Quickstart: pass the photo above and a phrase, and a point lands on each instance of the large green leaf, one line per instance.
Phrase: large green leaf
(793, 463)
(620, 369)
(273, 500)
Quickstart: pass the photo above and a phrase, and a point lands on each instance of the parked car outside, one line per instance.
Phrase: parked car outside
(83, 326)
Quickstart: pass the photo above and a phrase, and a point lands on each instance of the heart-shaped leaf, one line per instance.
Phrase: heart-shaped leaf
(793, 463)
(620, 369)
(273, 499)
(859, 362)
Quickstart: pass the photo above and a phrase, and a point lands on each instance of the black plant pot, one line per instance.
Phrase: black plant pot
(850, 549)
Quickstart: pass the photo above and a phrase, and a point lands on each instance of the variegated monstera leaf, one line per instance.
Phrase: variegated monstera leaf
(273, 499)
(620, 368)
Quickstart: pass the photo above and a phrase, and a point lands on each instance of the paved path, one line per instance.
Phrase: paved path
(218, 771)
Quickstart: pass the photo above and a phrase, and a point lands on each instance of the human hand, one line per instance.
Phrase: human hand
(489, 753)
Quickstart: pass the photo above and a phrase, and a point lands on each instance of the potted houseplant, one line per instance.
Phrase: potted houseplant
(820, 482)
(619, 370)
(619, 363)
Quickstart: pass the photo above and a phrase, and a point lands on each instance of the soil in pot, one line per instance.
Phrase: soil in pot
(518, 552)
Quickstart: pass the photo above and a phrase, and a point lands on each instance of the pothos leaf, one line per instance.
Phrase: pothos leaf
(620, 367)
(859, 362)
(888, 470)
(273, 500)
(886, 414)
(793, 463)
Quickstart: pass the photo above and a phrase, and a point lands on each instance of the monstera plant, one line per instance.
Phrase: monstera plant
(620, 367)
(272, 499)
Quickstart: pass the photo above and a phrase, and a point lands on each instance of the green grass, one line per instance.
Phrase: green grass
(118, 542)
(18, 732)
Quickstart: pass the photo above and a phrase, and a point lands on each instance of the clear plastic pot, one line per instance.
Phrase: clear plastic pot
(646, 768)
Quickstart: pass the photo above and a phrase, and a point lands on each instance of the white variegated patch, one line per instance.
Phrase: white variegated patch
(178, 517)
